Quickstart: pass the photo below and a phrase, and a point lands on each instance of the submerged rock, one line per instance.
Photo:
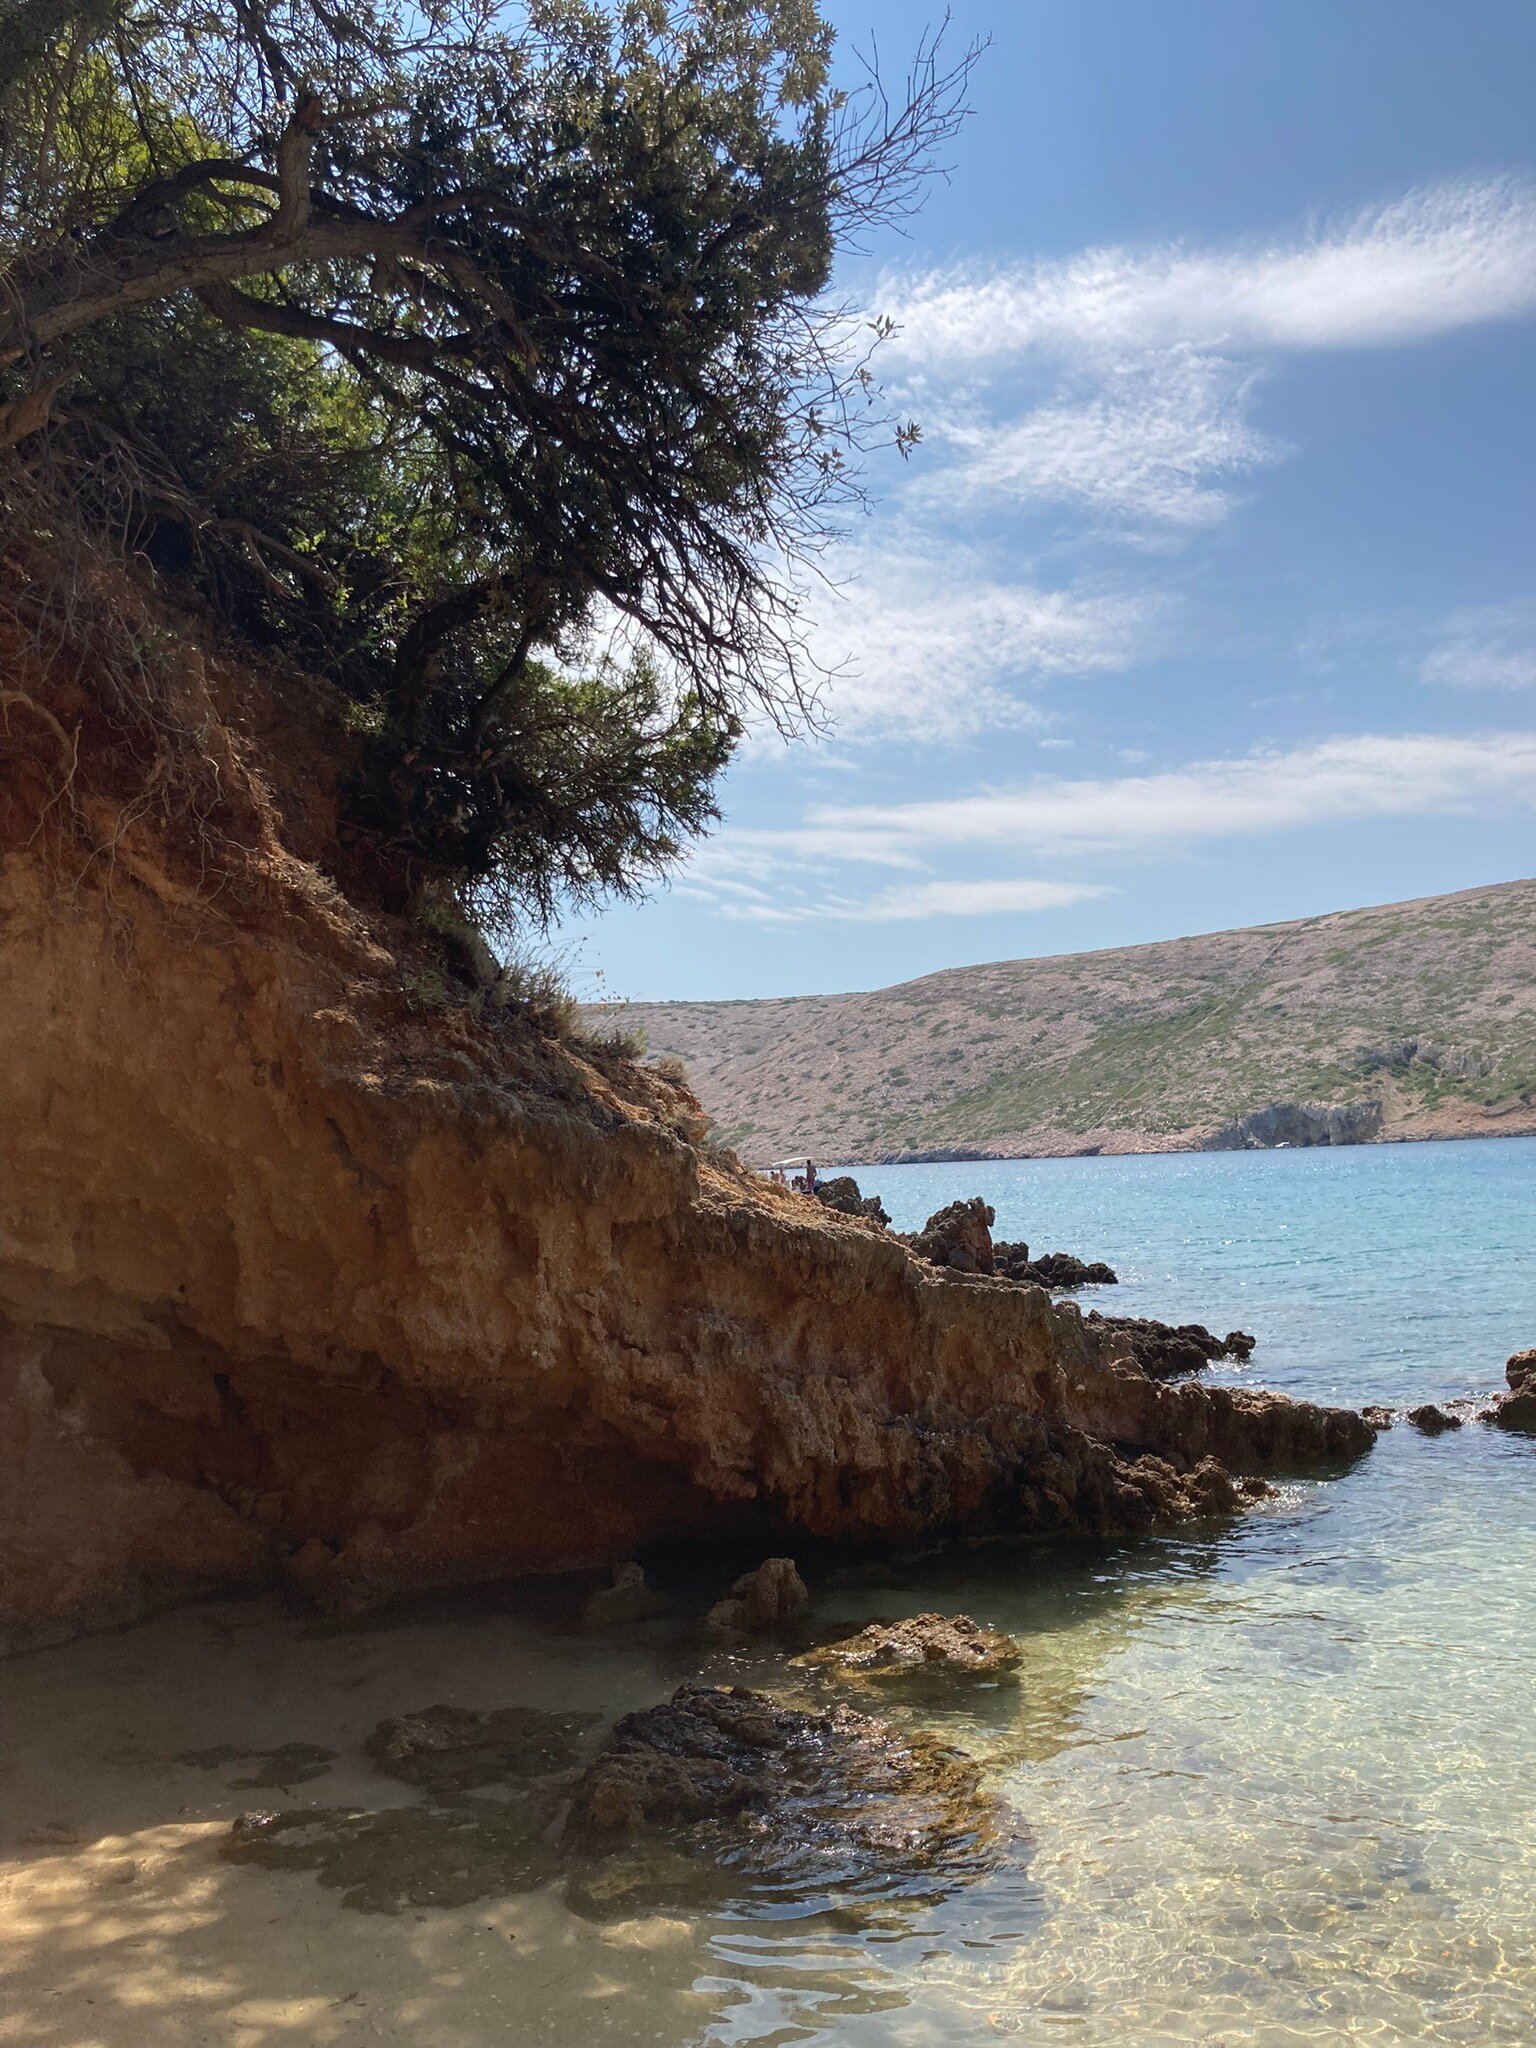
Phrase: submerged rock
(931, 1645)
(773, 1594)
(1432, 1419)
(445, 1853)
(452, 1749)
(1164, 1350)
(293, 1763)
(628, 1598)
(792, 1798)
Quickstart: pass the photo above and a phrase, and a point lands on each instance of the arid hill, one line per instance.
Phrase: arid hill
(1414, 1020)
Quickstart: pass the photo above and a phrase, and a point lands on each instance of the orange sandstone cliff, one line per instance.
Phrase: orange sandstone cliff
(316, 1268)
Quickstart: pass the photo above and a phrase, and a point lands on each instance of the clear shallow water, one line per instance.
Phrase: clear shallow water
(1277, 1783)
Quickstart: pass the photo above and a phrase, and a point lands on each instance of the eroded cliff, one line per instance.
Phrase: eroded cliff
(310, 1269)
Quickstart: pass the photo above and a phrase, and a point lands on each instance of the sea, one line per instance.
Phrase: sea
(1273, 1781)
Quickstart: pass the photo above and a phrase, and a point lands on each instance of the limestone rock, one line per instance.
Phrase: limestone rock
(1378, 1417)
(1516, 1410)
(1432, 1419)
(1061, 1272)
(835, 1798)
(1298, 1124)
(452, 1749)
(932, 1645)
(765, 1598)
(628, 1598)
(1165, 1350)
(842, 1194)
(958, 1236)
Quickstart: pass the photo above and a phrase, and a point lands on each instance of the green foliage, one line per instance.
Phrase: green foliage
(443, 347)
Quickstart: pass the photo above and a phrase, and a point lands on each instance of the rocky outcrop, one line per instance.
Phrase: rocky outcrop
(777, 1793)
(1298, 1124)
(1403, 1054)
(317, 1268)
(842, 1195)
(1061, 1272)
(1517, 1409)
(767, 1598)
(1165, 1350)
(925, 1645)
(958, 1237)
(1432, 1419)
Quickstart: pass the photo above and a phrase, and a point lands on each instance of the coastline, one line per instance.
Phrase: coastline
(1121, 1145)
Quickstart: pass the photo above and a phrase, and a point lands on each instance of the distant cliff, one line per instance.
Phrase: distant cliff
(1415, 1020)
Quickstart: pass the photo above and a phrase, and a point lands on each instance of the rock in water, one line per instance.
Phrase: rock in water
(958, 1236)
(1164, 1350)
(1517, 1409)
(627, 1598)
(1059, 1271)
(800, 1800)
(928, 1645)
(774, 1593)
(451, 1749)
(1433, 1420)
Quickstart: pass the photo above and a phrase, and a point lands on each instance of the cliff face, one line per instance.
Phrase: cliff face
(302, 1279)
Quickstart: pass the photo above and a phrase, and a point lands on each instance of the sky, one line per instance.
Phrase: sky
(1206, 599)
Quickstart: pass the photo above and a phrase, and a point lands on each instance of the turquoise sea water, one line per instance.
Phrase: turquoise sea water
(1274, 1780)
(1279, 1781)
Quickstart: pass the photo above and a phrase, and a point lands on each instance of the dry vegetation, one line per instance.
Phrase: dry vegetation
(1428, 1007)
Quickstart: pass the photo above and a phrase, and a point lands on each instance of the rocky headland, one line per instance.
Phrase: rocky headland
(321, 1265)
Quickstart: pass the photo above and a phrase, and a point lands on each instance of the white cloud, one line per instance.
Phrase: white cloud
(926, 645)
(903, 904)
(803, 872)
(978, 899)
(1359, 777)
(1149, 444)
(1152, 356)
(1491, 648)
(1437, 259)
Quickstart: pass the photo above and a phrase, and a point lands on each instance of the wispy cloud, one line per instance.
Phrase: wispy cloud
(1488, 648)
(927, 644)
(1363, 776)
(800, 872)
(1120, 381)
(1151, 443)
(917, 900)
(1439, 258)
(1116, 389)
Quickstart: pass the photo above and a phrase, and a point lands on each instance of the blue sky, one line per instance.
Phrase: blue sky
(1207, 599)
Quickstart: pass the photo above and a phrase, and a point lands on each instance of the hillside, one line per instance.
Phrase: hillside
(1410, 1020)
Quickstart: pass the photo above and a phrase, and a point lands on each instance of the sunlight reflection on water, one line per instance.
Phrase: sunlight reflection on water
(1275, 1783)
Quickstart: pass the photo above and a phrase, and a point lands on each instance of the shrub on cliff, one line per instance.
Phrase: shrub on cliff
(439, 347)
